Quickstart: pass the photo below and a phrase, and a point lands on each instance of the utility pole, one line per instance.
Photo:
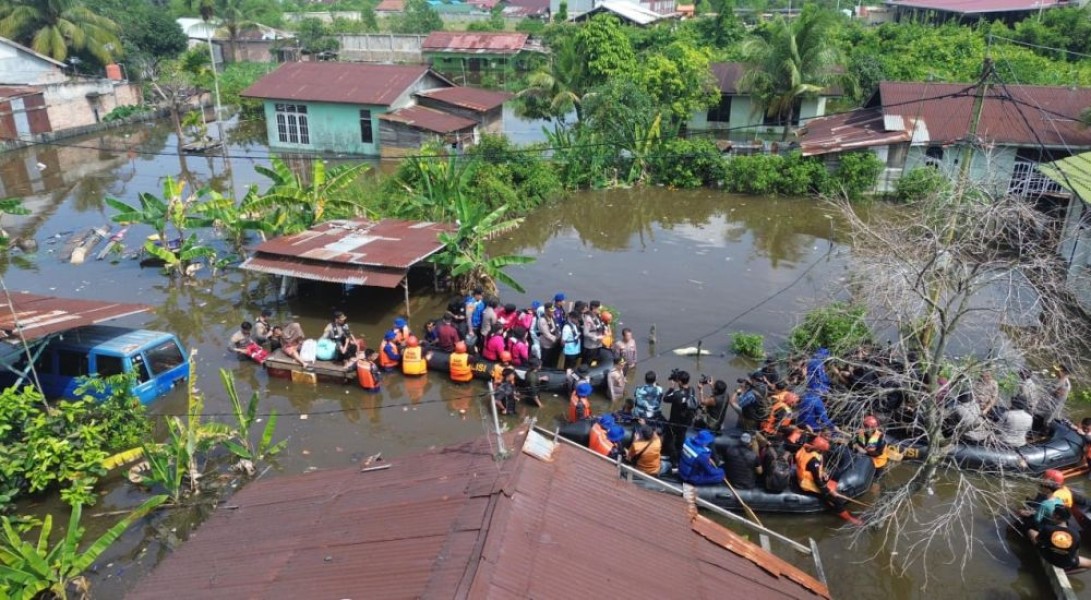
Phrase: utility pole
(975, 119)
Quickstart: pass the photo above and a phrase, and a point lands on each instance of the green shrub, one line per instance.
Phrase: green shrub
(124, 112)
(919, 184)
(857, 174)
(750, 345)
(688, 163)
(758, 174)
(838, 326)
(235, 78)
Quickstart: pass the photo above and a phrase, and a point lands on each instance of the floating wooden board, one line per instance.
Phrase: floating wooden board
(281, 365)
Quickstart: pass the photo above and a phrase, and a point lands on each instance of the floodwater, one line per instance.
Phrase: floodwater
(695, 265)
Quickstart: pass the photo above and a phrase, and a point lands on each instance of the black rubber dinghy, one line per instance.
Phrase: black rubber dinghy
(551, 380)
(1063, 448)
(854, 473)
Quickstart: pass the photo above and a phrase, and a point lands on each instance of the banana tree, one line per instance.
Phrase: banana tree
(10, 206)
(35, 570)
(464, 254)
(244, 448)
(434, 186)
(291, 205)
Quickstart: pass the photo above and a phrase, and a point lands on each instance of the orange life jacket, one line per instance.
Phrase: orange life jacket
(497, 373)
(598, 440)
(772, 424)
(385, 361)
(460, 367)
(365, 376)
(578, 408)
(875, 437)
(413, 362)
(1064, 495)
(806, 479)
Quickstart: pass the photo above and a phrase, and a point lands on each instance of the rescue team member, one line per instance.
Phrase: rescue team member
(1059, 545)
(780, 414)
(1052, 493)
(645, 453)
(367, 372)
(505, 394)
(597, 440)
(401, 331)
(579, 407)
(813, 478)
(413, 362)
(460, 366)
(697, 466)
(498, 369)
(390, 356)
(870, 441)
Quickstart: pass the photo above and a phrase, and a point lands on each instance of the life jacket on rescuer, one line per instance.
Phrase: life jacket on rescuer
(460, 364)
(365, 374)
(412, 358)
(806, 479)
(385, 360)
(780, 415)
(873, 441)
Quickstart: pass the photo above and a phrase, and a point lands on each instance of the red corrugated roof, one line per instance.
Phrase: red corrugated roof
(475, 99)
(12, 91)
(851, 131)
(980, 6)
(1014, 114)
(287, 266)
(453, 523)
(484, 43)
(428, 119)
(38, 316)
(390, 6)
(336, 82)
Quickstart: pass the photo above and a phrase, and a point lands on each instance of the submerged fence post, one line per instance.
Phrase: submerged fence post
(501, 451)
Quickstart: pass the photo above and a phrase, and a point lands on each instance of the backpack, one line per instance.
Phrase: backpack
(778, 473)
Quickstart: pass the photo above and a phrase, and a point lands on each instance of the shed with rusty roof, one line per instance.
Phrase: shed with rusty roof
(346, 108)
(455, 523)
(1008, 11)
(456, 53)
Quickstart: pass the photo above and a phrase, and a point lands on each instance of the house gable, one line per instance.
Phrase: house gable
(20, 65)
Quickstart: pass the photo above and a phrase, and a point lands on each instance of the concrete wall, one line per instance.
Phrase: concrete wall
(746, 117)
(991, 169)
(21, 67)
(381, 47)
(332, 127)
(70, 106)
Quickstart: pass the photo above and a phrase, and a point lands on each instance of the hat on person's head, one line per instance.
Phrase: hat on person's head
(616, 433)
(535, 305)
(399, 322)
(745, 439)
(558, 297)
(583, 390)
(704, 438)
(607, 420)
(265, 312)
(390, 335)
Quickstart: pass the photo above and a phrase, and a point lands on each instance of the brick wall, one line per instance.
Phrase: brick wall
(70, 106)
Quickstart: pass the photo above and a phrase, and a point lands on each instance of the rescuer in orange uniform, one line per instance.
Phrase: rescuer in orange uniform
(813, 478)
(461, 367)
(413, 361)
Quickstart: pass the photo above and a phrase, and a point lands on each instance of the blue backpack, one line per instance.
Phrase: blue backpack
(479, 311)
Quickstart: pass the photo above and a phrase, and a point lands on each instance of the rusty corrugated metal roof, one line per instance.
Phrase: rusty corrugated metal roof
(980, 6)
(390, 6)
(14, 91)
(38, 316)
(337, 82)
(428, 119)
(319, 271)
(474, 42)
(1052, 112)
(862, 128)
(452, 523)
(475, 99)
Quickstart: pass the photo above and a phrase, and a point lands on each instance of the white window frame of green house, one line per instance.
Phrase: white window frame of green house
(292, 125)
(367, 128)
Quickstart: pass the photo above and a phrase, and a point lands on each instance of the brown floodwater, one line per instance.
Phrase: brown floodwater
(695, 265)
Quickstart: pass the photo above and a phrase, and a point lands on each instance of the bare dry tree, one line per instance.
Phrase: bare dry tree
(964, 283)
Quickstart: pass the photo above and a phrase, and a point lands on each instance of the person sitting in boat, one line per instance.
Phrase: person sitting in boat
(390, 356)
(741, 464)
(615, 381)
(505, 394)
(494, 343)
(574, 377)
(518, 345)
(696, 466)
(276, 338)
(414, 362)
(579, 405)
(969, 424)
(367, 372)
(648, 399)
(871, 441)
(337, 331)
(1016, 423)
(986, 393)
(646, 451)
(447, 335)
(817, 378)
(243, 344)
(597, 439)
(292, 340)
(780, 414)
(501, 365)
(813, 479)
(1058, 544)
(750, 402)
(812, 413)
(461, 364)
(262, 328)
(1050, 405)
(429, 338)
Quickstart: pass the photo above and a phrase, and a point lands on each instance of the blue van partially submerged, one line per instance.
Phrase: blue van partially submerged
(157, 359)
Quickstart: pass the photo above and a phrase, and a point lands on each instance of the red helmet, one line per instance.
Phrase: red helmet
(606, 316)
(505, 356)
(412, 341)
(871, 422)
(460, 347)
(821, 444)
(1053, 476)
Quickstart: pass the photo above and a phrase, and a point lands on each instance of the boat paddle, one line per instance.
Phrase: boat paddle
(745, 506)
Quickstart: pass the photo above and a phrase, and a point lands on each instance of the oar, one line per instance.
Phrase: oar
(1072, 472)
(746, 507)
(833, 490)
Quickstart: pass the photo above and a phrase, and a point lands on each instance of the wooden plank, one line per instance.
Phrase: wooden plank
(1058, 581)
(278, 363)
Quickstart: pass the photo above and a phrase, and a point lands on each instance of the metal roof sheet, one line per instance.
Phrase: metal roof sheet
(337, 82)
(428, 119)
(117, 339)
(38, 316)
(475, 99)
(474, 42)
(1073, 173)
(862, 128)
(629, 11)
(452, 523)
(979, 6)
(320, 271)
(390, 6)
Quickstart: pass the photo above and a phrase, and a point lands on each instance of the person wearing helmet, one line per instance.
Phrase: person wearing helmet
(607, 330)
(414, 362)
(505, 394)
(503, 362)
(697, 466)
(367, 372)
(579, 404)
(597, 439)
(1057, 543)
(390, 356)
(1052, 492)
(871, 441)
(337, 331)
(401, 331)
(813, 478)
(460, 364)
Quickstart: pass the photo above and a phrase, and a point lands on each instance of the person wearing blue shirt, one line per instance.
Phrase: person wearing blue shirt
(696, 466)
(811, 412)
(817, 378)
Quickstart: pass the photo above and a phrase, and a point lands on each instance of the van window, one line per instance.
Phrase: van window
(108, 365)
(72, 363)
(165, 357)
(141, 369)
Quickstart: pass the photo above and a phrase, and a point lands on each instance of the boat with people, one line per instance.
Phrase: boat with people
(549, 380)
(1063, 447)
(853, 472)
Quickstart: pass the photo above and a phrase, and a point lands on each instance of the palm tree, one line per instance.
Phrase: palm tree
(552, 91)
(292, 205)
(793, 60)
(57, 27)
(464, 254)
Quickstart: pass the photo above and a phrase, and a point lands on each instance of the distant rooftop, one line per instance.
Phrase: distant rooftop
(968, 7)
(628, 11)
(474, 42)
(475, 99)
(428, 119)
(337, 82)
(35, 316)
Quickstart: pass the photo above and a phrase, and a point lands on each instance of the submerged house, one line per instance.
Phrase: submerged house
(915, 125)
(969, 11)
(370, 109)
(455, 53)
(742, 115)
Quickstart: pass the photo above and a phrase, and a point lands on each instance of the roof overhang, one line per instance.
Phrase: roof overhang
(348, 274)
(28, 317)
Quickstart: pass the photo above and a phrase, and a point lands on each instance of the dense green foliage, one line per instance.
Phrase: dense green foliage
(235, 78)
(60, 28)
(750, 345)
(688, 163)
(838, 327)
(920, 184)
(124, 112)
(419, 17)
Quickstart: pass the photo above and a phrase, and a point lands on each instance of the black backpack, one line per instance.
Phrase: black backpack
(778, 473)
